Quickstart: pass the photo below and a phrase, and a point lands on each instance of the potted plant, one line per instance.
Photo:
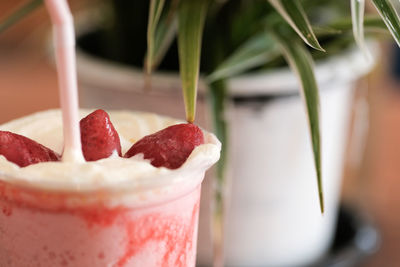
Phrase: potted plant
(244, 48)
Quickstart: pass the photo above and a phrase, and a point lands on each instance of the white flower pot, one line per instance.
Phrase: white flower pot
(273, 217)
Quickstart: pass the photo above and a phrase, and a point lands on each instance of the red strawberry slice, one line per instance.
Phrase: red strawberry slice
(99, 137)
(24, 151)
(169, 147)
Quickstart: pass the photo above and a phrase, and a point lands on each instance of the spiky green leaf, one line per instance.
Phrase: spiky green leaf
(255, 52)
(19, 14)
(191, 16)
(155, 10)
(293, 12)
(165, 34)
(326, 31)
(390, 17)
(370, 21)
(301, 63)
(357, 16)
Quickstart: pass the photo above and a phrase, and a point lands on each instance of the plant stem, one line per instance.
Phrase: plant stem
(220, 186)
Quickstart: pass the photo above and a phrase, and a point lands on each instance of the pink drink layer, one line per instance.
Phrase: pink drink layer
(39, 229)
(113, 212)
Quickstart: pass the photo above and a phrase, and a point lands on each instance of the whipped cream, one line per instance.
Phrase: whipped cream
(113, 173)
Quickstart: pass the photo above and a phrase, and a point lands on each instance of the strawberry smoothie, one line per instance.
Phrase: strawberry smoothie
(113, 211)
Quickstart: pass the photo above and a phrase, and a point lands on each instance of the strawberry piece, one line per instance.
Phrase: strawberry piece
(169, 147)
(24, 151)
(99, 137)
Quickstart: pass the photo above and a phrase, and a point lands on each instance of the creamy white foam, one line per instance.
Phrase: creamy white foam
(111, 173)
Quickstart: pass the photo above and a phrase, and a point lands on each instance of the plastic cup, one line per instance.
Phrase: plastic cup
(150, 223)
(41, 228)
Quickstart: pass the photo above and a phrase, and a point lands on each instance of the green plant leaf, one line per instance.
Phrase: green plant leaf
(255, 52)
(155, 10)
(390, 17)
(346, 24)
(164, 35)
(217, 94)
(293, 12)
(19, 14)
(301, 63)
(374, 22)
(326, 31)
(159, 39)
(357, 15)
(191, 16)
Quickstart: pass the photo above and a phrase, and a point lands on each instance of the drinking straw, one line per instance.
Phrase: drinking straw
(64, 47)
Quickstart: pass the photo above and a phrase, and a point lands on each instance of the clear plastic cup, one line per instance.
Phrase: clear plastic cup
(41, 228)
(151, 222)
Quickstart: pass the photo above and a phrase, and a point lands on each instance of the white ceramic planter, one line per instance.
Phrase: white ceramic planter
(273, 217)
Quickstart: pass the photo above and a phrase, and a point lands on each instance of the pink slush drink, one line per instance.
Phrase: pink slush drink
(112, 212)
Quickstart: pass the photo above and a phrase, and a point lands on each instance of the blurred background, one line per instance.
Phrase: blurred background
(371, 181)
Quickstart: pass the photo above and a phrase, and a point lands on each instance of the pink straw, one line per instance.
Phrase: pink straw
(64, 44)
